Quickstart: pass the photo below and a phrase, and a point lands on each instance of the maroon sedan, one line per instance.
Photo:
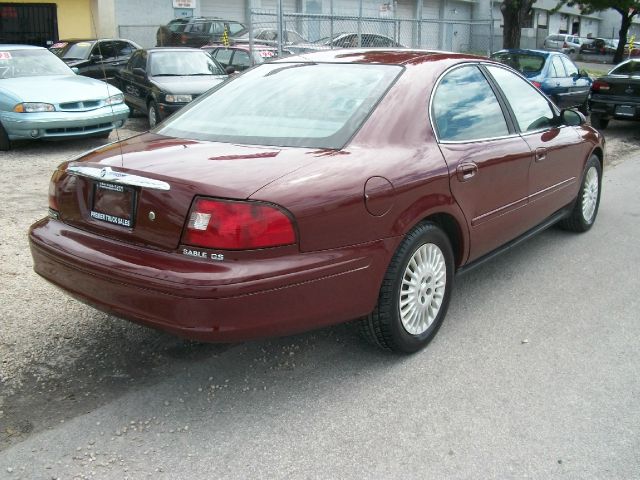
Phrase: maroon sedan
(318, 189)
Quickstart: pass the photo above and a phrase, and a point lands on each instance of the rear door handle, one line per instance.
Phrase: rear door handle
(541, 154)
(466, 171)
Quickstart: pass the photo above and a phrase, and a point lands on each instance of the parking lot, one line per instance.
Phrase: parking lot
(533, 374)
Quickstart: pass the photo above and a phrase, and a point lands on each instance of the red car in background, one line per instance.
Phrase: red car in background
(238, 57)
(317, 189)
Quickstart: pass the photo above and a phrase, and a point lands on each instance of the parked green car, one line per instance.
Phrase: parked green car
(42, 98)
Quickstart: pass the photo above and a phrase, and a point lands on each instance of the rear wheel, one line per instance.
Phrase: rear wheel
(415, 292)
(5, 143)
(598, 122)
(585, 210)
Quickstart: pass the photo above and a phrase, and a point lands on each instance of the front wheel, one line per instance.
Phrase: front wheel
(152, 114)
(5, 143)
(415, 292)
(584, 212)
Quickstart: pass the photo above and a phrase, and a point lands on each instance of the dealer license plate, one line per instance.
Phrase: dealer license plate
(113, 203)
(625, 110)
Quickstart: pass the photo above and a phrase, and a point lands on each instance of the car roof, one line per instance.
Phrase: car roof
(388, 56)
(528, 51)
(175, 49)
(11, 46)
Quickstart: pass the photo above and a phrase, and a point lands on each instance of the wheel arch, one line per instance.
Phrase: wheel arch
(452, 228)
(598, 152)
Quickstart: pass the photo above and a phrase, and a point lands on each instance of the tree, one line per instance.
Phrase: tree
(514, 13)
(626, 8)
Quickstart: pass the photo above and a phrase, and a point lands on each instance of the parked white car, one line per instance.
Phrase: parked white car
(564, 43)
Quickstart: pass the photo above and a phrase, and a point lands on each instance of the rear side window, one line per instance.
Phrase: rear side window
(557, 69)
(569, 67)
(466, 108)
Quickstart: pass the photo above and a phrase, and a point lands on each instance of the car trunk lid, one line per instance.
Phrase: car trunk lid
(143, 195)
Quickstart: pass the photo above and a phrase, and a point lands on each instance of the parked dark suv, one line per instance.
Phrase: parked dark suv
(196, 31)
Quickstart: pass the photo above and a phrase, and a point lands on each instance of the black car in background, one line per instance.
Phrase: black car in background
(196, 31)
(160, 81)
(96, 58)
(616, 94)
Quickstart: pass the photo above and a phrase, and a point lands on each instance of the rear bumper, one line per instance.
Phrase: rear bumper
(607, 107)
(211, 301)
(63, 124)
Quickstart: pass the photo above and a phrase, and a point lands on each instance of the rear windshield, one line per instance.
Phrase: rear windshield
(72, 51)
(629, 68)
(287, 104)
(524, 63)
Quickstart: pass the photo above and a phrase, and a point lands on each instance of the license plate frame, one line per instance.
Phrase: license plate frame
(114, 204)
(625, 110)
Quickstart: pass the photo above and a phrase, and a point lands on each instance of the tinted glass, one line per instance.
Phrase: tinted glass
(528, 64)
(137, 60)
(72, 51)
(629, 68)
(223, 55)
(531, 109)
(105, 49)
(31, 63)
(465, 107)
(307, 105)
(174, 63)
(241, 60)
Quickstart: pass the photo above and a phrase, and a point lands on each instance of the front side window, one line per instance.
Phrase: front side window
(223, 55)
(466, 108)
(241, 60)
(531, 109)
(314, 105)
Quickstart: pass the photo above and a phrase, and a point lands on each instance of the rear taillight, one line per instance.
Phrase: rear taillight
(565, 45)
(183, 39)
(536, 84)
(233, 225)
(600, 86)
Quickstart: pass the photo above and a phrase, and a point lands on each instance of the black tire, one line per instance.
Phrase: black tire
(584, 108)
(5, 143)
(384, 327)
(152, 114)
(577, 220)
(598, 122)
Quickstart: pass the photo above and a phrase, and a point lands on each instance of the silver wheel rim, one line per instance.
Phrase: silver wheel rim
(422, 289)
(152, 117)
(590, 195)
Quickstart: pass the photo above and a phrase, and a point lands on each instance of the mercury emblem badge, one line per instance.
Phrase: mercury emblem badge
(152, 215)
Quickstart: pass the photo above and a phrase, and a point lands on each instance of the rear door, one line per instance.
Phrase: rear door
(488, 161)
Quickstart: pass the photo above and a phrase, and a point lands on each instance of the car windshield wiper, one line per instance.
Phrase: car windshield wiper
(288, 67)
(198, 74)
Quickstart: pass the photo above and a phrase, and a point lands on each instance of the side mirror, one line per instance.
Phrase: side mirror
(75, 70)
(583, 73)
(230, 69)
(139, 72)
(572, 118)
(96, 58)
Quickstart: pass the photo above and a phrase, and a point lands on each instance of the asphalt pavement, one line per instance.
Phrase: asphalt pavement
(534, 374)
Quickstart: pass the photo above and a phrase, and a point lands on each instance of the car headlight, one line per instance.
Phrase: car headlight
(114, 99)
(178, 98)
(33, 107)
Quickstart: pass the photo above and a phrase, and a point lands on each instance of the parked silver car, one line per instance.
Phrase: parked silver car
(41, 97)
(564, 43)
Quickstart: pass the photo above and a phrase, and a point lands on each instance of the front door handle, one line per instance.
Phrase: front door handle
(466, 171)
(541, 154)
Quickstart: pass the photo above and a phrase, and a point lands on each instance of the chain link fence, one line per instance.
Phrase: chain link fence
(308, 32)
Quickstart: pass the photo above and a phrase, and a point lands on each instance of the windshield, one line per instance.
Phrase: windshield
(31, 63)
(72, 51)
(525, 63)
(306, 105)
(178, 63)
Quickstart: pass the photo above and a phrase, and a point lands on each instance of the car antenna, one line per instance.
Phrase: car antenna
(104, 76)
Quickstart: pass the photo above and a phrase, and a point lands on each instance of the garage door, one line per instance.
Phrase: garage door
(289, 6)
(234, 10)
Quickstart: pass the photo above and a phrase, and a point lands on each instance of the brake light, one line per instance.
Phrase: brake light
(183, 39)
(600, 86)
(565, 45)
(536, 84)
(234, 225)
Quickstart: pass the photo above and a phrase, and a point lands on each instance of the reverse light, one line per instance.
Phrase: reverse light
(234, 225)
(600, 86)
(33, 107)
(178, 98)
(115, 99)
